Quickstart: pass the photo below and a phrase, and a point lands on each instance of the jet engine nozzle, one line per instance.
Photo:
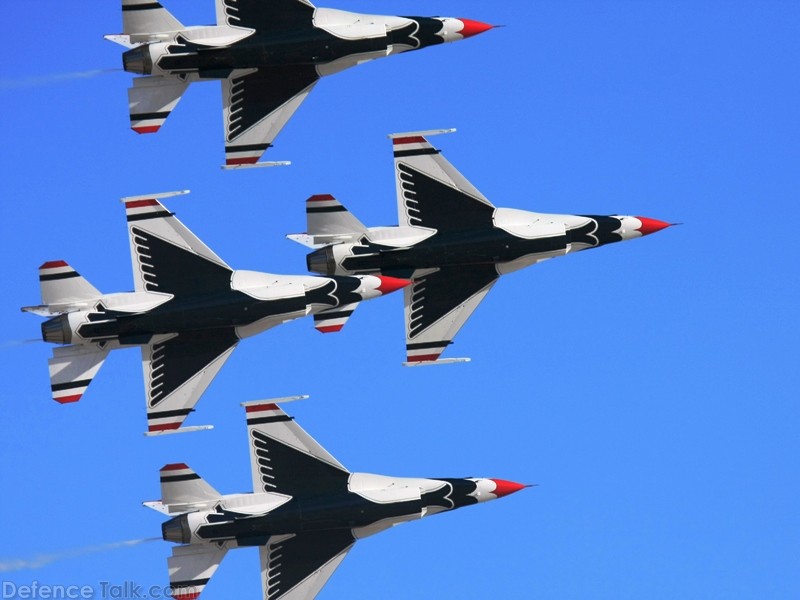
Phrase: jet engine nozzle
(138, 60)
(322, 261)
(57, 330)
(177, 530)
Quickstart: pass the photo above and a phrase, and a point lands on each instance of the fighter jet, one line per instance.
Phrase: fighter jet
(187, 312)
(451, 241)
(268, 54)
(305, 513)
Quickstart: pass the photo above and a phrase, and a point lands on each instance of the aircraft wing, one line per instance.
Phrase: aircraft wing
(191, 567)
(177, 371)
(257, 105)
(270, 16)
(296, 567)
(284, 459)
(431, 193)
(166, 256)
(438, 304)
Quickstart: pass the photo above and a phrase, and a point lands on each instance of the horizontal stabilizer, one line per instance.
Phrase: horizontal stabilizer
(61, 284)
(333, 319)
(72, 369)
(151, 100)
(181, 486)
(146, 16)
(327, 217)
(301, 238)
(122, 40)
(191, 567)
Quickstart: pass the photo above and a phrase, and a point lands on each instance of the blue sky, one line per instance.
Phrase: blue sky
(649, 388)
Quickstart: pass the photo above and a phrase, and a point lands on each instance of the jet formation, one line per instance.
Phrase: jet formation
(187, 313)
(305, 513)
(268, 55)
(451, 241)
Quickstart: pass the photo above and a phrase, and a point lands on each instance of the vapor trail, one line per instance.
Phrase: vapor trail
(28, 82)
(16, 343)
(18, 564)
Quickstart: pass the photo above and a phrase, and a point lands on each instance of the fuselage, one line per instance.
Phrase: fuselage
(328, 37)
(515, 239)
(369, 504)
(253, 302)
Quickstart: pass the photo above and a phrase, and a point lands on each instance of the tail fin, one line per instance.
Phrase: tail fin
(327, 222)
(61, 284)
(72, 369)
(180, 485)
(146, 16)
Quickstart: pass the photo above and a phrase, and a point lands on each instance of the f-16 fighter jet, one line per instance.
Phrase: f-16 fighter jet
(305, 513)
(451, 241)
(268, 54)
(187, 312)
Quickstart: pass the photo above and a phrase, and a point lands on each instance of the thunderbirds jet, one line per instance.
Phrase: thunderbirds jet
(451, 241)
(305, 513)
(268, 54)
(187, 312)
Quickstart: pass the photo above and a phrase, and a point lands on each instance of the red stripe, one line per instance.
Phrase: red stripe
(52, 264)
(141, 203)
(190, 596)
(260, 407)
(175, 467)
(423, 357)
(146, 128)
(330, 328)
(245, 160)
(163, 426)
(320, 198)
(409, 140)
(67, 399)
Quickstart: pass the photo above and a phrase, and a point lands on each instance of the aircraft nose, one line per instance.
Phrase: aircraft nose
(504, 488)
(471, 27)
(390, 284)
(649, 226)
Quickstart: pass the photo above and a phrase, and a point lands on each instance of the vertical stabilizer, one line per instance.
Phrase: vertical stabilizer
(146, 16)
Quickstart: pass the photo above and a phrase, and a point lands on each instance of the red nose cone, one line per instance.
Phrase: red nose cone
(473, 27)
(651, 225)
(391, 284)
(504, 488)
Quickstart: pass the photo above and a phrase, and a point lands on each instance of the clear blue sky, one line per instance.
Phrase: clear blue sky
(650, 388)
